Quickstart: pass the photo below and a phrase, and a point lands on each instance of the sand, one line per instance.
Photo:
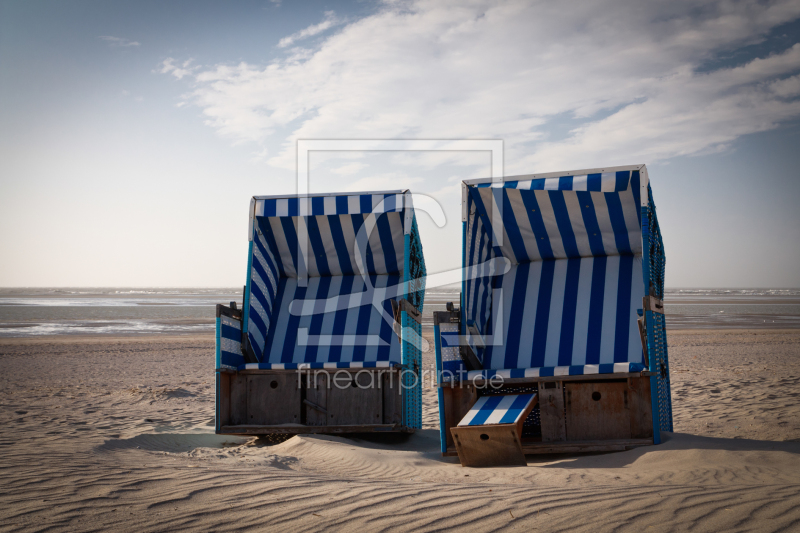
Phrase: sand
(117, 434)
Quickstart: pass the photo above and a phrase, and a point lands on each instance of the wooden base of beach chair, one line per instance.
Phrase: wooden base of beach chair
(260, 402)
(481, 441)
(577, 414)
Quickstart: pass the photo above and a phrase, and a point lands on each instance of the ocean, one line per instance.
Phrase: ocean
(33, 312)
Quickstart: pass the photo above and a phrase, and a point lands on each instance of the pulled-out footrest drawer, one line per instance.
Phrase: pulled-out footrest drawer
(490, 433)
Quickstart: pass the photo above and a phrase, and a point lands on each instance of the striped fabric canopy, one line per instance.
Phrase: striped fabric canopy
(359, 204)
(599, 181)
(542, 224)
(352, 269)
(571, 297)
(332, 243)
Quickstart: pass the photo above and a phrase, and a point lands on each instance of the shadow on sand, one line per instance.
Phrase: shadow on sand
(426, 443)
(670, 442)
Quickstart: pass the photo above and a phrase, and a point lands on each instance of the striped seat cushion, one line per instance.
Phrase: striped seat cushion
(568, 313)
(577, 370)
(506, 409)
(334, 319)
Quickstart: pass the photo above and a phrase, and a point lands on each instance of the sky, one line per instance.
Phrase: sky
(132, 135)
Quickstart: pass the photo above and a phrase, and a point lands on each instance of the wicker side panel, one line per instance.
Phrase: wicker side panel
(657, 259)
(657, 348)
(412, 342)
(412, 381)
(656, 323)
(417, 270)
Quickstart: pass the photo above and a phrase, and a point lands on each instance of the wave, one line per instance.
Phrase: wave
(732, 292)
(127, 327)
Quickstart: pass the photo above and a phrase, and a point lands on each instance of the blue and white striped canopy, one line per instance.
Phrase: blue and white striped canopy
(570, 299)
(341, 283)
(616, 181)
(358, 204)
(332, 243)
(539, 223)
(334, 225)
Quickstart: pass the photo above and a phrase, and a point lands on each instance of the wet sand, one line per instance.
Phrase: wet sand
(102, 433)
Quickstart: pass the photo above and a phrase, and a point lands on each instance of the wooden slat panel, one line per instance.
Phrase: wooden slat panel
(297, 430)
(641, 408)
(224, 400)
(294, 372)
(238, 395)
(273, 399)
(480, 446)
(392, 398)
(574, 447)
(586, 446)
(457, 402)
(597, 411)
(317, 394)
(551, 413)
(355, 405)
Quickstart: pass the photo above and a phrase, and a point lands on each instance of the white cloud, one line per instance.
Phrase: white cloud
(119, 41)
(349, 169)
(126, 93)
(787, 88)
(315, 29)
(625, 78)
(383, 182)
(168, 66)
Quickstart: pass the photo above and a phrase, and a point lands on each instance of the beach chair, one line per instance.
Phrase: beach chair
(328, 340)
(560, 310)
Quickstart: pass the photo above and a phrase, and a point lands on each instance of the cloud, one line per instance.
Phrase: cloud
(349, 169)
(118, 42)
(597, 84)
(787, 88)
(168, 66)
(126, 93)
(315, 29)
(383, 182)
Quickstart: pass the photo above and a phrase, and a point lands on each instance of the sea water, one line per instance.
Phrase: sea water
(111, 311)
(28, 312)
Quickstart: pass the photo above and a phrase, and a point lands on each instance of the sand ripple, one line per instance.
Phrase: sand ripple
(99, 436)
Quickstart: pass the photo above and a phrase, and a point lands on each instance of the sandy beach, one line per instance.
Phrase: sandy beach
(116, 433)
